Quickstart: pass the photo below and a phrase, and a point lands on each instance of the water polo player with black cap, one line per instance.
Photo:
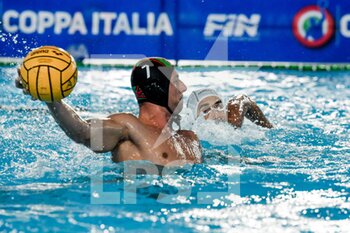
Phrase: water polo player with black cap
(149, 136)
(150, 81)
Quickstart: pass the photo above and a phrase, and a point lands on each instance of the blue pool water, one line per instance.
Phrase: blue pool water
(293, 178)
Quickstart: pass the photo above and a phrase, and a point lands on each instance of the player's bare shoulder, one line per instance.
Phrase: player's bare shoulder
(137, 131)
(130, 123)
(124, 118)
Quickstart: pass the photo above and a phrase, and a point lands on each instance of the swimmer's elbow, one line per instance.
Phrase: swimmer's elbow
(268, 125)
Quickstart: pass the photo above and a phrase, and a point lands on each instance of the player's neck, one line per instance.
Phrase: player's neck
(154, 115)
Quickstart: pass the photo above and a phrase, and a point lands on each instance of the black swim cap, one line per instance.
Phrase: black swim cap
(150, 80)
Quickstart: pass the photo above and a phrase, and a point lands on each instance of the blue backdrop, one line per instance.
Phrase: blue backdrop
(250, 30)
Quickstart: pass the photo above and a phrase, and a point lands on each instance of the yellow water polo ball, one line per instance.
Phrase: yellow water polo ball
(49, 73)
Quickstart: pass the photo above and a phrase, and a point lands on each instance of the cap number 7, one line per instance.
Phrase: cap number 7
(148, 72)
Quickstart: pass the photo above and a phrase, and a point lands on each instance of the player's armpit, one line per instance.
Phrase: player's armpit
(105, 135)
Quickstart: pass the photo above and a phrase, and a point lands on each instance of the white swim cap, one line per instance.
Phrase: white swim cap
(196, 97)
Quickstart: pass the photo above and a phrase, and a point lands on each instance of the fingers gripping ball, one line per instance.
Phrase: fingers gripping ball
(49, 73)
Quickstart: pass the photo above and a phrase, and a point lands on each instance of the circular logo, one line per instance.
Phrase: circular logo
(313, 26)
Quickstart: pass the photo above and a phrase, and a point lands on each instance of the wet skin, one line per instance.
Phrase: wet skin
(236, 111)
(146, 137)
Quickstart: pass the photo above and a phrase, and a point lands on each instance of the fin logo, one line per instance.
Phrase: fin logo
(232, 25)
(313, 26)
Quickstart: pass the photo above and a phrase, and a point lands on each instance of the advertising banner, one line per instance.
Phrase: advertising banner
(251, 30)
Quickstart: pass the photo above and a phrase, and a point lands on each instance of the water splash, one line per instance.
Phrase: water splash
(293, 178)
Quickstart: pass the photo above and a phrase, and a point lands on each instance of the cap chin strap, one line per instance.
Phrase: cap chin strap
(169, 110)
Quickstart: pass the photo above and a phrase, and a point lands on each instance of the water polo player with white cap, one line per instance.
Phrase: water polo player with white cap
(207, 102)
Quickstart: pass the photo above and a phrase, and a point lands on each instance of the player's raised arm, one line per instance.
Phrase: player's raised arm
(242, 106)
(100, 135)
(106, 133)
(49, 73)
